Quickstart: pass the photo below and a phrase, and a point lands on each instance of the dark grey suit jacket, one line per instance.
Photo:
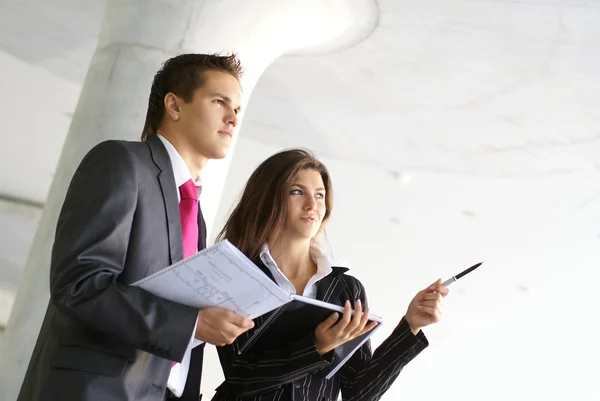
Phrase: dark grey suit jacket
(102, 339)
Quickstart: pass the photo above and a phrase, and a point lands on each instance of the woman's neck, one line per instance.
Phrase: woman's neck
(293, 258)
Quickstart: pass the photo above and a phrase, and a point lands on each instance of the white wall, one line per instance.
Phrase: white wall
(522, 327)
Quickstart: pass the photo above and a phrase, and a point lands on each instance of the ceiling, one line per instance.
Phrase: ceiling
(514, 84)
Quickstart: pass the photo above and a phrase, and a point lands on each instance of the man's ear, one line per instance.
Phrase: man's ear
(172, 108)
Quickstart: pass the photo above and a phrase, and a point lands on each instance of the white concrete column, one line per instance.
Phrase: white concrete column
(136, 37)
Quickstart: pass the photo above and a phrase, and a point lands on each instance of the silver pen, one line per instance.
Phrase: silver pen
(459, 275)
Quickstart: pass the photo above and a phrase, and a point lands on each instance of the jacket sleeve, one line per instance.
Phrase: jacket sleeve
(367, 376)
(90, 252)
(251, 373)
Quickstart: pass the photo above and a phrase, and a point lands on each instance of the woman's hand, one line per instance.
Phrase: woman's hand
(426, 307)
(332, 333)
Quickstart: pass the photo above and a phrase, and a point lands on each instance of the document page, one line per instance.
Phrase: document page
(221, 276)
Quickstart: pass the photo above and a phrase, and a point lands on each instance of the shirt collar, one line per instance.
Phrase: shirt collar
(180, 170)
(322, 259)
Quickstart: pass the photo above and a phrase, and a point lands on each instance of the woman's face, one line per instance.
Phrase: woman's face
(306, 205)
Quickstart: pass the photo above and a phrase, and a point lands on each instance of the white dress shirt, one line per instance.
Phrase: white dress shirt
(178, 374)
(323, 261)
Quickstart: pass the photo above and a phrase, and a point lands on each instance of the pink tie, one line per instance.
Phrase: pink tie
(188, 211)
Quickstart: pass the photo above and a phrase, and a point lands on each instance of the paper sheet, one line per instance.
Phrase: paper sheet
(219, 276)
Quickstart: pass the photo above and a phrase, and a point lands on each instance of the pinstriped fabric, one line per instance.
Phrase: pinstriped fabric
(294, 373)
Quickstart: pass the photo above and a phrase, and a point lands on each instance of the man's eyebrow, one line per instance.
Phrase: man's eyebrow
(227, 99)
(223, 96)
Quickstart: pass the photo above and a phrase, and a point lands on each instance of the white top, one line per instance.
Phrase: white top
(178, 374)
(323, 261)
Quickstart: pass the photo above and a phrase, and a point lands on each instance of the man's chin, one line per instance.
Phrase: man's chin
(219, 154)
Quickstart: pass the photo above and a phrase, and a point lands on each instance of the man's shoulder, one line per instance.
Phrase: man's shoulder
(116, 151)
(119, 145)
(116, 158)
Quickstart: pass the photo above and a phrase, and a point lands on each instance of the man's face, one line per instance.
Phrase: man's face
(208, 120)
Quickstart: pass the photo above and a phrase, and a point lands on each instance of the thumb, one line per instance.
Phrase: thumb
(433, 286)
(331, 320)
(242, 322)
(326, 324)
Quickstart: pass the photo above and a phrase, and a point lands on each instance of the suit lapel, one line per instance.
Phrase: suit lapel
(168, 188)
(201, 229)
(258, 262)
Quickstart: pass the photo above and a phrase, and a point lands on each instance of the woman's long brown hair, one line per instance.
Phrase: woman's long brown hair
(261, 213)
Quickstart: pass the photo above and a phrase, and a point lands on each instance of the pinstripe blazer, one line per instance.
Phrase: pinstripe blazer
(294, 373)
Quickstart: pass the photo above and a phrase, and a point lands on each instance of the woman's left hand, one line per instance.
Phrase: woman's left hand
(426, 307)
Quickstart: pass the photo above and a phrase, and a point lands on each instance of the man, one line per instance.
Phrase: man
(131, 210)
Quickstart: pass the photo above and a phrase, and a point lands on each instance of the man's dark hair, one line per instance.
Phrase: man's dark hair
(182, 75)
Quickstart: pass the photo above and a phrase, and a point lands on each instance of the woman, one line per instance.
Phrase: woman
(286, 204)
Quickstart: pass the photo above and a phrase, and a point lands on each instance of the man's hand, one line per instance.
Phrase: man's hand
(220, 327)
(426, 307)
(332, 333)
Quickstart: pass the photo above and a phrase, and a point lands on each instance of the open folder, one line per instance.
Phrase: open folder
(223, 276)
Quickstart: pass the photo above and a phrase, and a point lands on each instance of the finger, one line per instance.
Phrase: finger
(432, 304)
(434, 314)
(356, 317)
(241, 321)
(432, 296)
(443, 290)
(426, 309)
(365, 318)
(367, 328)
(328, 323)
(429, 290)
(418, 297)
(358, 307)
(433, 286)
(231, 332)
(345, 320)
(220, 317)
(363, 322)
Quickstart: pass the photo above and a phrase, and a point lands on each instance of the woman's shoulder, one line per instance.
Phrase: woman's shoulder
(352, 282)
